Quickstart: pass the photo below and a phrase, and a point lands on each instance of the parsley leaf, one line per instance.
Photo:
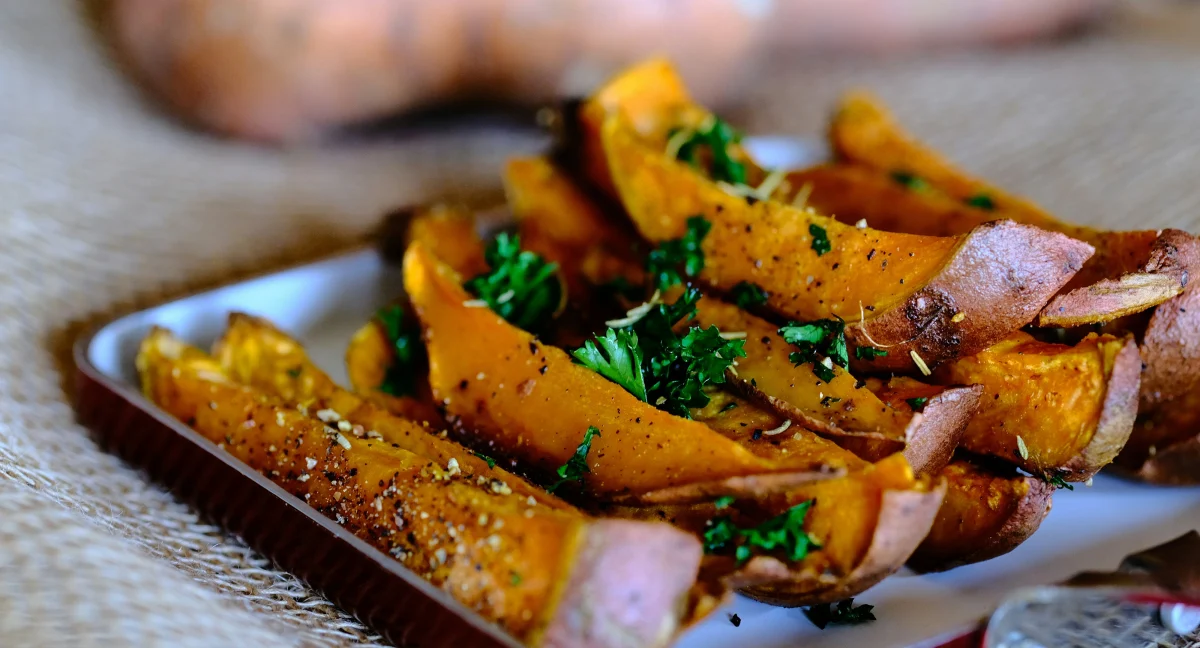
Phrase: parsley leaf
(825, 337)
(576, 467)
(664, 262)
(820, 239)
(521, 286)
(724, 501)
(917, 403)
(868, 353)
(615, 356)
(1057, 481)
(490, 462)
(829, 400)
(401, 376)
(748, 295)
(914, 182)
(718, 137)
(981, 201)
(783, 533)
(660, 366)
(845, 613)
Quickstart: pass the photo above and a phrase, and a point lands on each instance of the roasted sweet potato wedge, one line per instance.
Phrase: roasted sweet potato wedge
(551, 577)
(986, 513)
(867, 523)
(840, 409)
(1121, 278)
(369, 356)
(516, 397)
(255, 353)
(920, 297)
(650, 94)
(559, 220)
(1052, 409)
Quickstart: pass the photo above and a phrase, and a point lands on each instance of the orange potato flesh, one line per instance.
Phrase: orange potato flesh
(549, 576)
(450, 232)
(368, 357)
(563, 224)
(762, 432)
(524, 399)
(986, 513)
(651, 95)
(842, 410)
(1071, 407)
(937, 297)
(298, 453)
(867, 522)
(255, 353)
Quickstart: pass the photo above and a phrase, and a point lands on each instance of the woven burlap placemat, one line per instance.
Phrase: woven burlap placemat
(105, 205)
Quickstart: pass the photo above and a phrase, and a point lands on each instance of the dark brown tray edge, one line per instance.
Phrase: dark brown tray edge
(356, 576)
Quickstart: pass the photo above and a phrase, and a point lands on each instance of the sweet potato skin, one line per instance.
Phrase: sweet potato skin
(938, 297)
(501, 385)
(1072, 408)
(404, 504)
(840, 410)
(986, 513)
(1113, 283)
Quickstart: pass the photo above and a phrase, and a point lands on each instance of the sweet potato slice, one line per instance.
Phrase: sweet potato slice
(514, 396)
(867, 522)
(1052, 409)
(986, 513)
(559, 220)
(650, 94)
(929, 297)
(255, 353)
(840, 409)
(1118, 280)
(551, 577)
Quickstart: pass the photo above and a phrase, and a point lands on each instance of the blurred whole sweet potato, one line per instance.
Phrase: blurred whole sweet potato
(287, 70)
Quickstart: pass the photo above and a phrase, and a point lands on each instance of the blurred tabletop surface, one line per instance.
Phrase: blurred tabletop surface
(107, 205)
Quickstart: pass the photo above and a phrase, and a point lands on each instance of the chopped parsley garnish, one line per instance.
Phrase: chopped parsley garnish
(658, 365)
(820, 239)
(981, 201)
(914, 182)
(295, 372)
(724, 501)
(404, 336)
(719, 138)
(843, 613)
(521, 286)
(616, 356)
(490, 462)
(576, 467)
(826, 337)
(728, 406)
(783, 533)
(868, 353)
(664, 262)
(917, 403)
(829, 400)
(1057, 481)
(514, 579)
(748, 295)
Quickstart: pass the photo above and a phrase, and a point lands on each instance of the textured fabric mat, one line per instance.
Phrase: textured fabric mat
(105, 205)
